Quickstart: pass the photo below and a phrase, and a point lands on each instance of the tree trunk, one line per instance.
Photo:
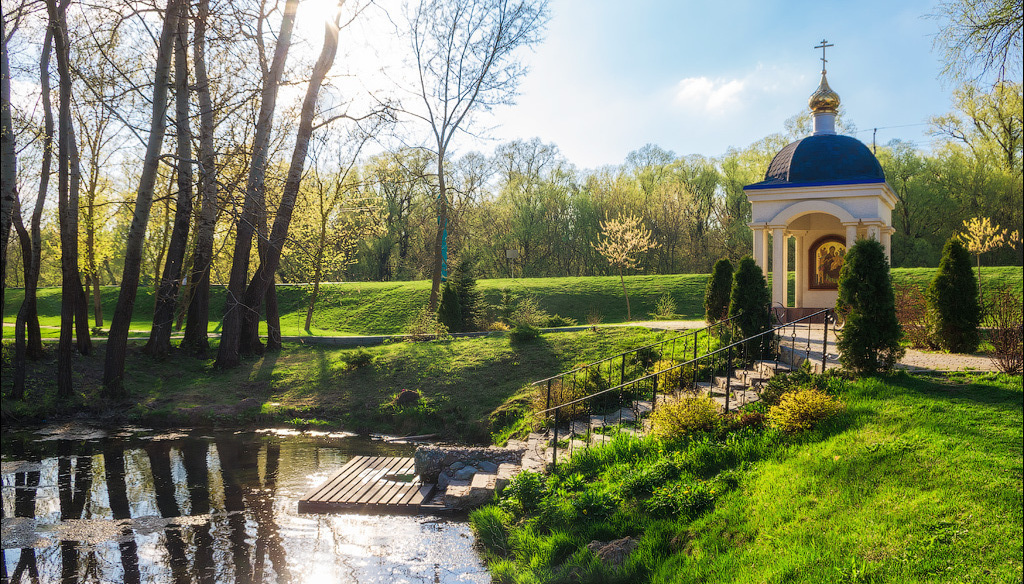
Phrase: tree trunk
(120, 508)
(317, 274)
(629, 315)
(84, 341)
(264, 276)
(35, 337)
(159, 343)
(113, 370)
(20, 365)
(67, 216)
(199, 306)
(235, 310)
(442, 223)
(8, 163)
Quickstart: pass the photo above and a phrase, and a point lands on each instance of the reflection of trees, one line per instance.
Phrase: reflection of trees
(237, 459)
(73, 486)
(25, 484)
(197, 476)
(163, 485)
(268, 538)
(117, 493)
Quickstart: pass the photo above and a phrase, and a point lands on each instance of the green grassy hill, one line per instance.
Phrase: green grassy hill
(371, 308)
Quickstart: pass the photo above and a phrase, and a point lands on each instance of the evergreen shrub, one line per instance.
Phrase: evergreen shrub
(953, 300)
(751, 299)
(470, 298)
(719, 288)
(449, 313)
(870, 339)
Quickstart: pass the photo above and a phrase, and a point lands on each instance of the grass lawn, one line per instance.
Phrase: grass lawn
(920, 480)
(376, 308)
(470, 387)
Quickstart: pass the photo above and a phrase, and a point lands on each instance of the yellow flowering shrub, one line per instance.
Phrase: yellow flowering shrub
(801, 409)
(686, 415)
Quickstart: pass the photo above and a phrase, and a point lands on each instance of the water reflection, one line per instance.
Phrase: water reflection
(180, 508)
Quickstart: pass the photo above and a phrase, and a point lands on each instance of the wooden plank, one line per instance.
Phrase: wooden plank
(383, 489)
(356, 479)
(368, 481)
(325, 489)
(360, 486)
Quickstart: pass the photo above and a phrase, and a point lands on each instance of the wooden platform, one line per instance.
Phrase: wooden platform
(369, 484)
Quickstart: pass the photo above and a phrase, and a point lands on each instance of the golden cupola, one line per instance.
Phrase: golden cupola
(824, 99)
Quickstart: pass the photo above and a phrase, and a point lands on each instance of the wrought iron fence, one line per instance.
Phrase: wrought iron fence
(734, 372)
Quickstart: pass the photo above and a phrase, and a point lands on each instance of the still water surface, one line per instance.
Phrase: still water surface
(85, 505)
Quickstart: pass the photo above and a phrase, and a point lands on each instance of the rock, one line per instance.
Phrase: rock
(487, 466)
(407, 397)
(456, 465)
(465, 473)
(431, 461)
(613, 553)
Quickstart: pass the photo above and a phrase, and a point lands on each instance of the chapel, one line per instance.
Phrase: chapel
(824, 191)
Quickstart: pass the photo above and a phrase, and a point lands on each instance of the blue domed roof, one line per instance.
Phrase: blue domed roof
(822, 159)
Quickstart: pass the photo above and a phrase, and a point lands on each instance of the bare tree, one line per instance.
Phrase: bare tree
(981, 38)
(8, 157)
(235, 309)
(113, 370)
(267, 268)
(199, 278)
(159, 343)
(464, 55)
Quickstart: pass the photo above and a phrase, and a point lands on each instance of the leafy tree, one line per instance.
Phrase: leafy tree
(621, 243)
(750, 302)
(980, 235)
(716, 295)
(870, 340)
(953, 300)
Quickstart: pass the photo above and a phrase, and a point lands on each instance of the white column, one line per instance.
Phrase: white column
(887, 243)
(778, 266)
(851, 235)
(801, 271)
(759, 247)
(874, 233)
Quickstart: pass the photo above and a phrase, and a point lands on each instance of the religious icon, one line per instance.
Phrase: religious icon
(827, 259)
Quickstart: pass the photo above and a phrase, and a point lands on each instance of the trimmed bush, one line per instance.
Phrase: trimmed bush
(716, 295)
(800, 410)
(685, 416)
(750, 296)
(870, 340)
(953, 300)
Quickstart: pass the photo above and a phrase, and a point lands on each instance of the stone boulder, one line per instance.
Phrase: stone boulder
(431, 462)
(613, 553)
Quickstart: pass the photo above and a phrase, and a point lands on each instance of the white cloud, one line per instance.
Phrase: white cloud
(714, 96)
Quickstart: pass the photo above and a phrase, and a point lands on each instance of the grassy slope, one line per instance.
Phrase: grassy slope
(467, 384)
(919, 481)
(369, 308)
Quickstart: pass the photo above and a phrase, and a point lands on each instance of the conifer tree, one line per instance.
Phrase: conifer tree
(750, 300)
(449, 312)
(716, 295)
(953, 300)
(870, 340)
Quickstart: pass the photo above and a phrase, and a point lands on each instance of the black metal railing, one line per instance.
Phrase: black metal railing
(712, 372)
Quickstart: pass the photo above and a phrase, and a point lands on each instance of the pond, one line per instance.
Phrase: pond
(134, 505)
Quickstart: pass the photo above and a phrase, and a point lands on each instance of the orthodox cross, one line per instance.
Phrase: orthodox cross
(824, 45)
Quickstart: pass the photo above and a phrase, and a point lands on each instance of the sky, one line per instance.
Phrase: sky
(701, 77)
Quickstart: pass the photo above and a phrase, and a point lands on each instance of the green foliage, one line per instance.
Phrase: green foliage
(557, 321)
(671, 379)
(870, 339)
(524, 493)
(953, 300)
(685, 416)
(524, 333)
(359, 358)
(800, 410)
(665, 309)
(751, 299)
(716, 295)
(469, 295)
(449, 312)
(688, 499)
(801, 378)
(1006, 318)
(426, 327)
